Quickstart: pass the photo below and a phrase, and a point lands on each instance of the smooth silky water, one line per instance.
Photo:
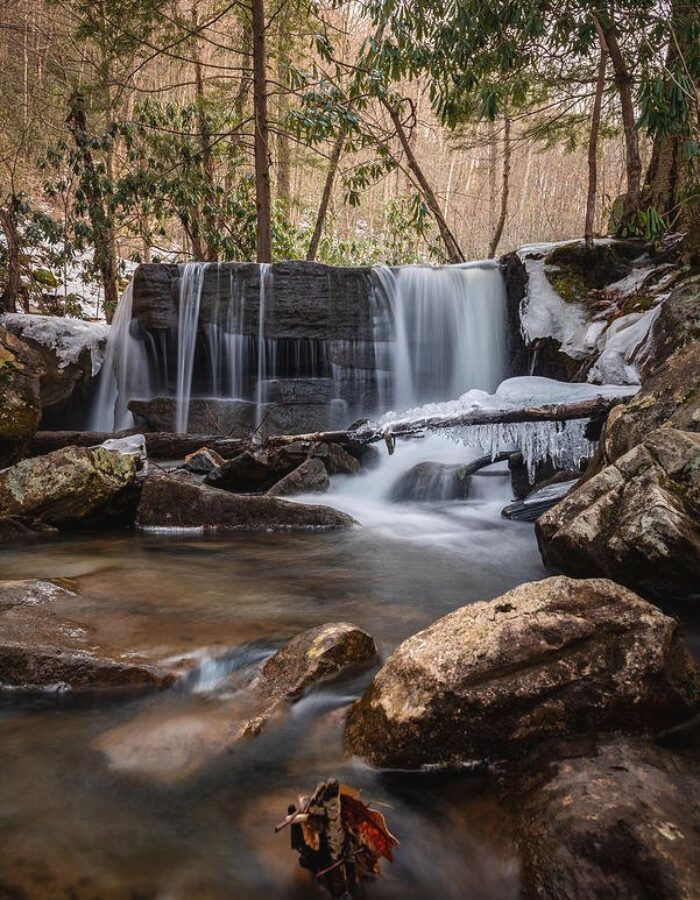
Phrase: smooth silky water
(136, 797)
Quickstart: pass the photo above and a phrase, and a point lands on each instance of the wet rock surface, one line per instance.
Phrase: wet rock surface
(430, 481)
(549, 659)
(68, 486)
(171, 746)
(20, 396)
(45, 648)
(617, 819)
(171, 503)
(637, 520)
(311, 476)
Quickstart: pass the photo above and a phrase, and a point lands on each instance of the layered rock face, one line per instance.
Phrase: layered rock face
(636, 515)
(315, 334)
(549, 659)
(635, 521)
(20, 396)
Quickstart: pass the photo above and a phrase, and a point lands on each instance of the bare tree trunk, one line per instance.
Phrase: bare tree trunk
(505, 189)
(454, 254)
(593, 138)
(263, 201)
(624, 87)
(14, 289)
(327, 191)
(284, 157)
(100, 218)
(210, 253)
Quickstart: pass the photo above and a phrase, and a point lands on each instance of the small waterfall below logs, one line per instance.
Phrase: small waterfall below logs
(283, 349)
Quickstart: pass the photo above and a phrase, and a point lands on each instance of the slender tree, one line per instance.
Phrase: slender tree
(262, 136)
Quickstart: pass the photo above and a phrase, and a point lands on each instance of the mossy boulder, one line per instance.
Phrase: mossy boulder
(68, 486)
(20, 396)
(580, 269)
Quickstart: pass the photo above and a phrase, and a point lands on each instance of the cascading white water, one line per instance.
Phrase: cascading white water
(191, 283)
(447, 328)
(124, 374)
(437, 333)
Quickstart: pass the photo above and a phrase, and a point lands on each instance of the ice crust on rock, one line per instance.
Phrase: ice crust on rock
(623, 346)
(67, 337)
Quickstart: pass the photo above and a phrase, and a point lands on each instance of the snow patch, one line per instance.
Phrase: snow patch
(623, 346)
(66, 337)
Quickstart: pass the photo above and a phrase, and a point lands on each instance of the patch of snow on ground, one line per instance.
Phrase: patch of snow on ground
(68, 337)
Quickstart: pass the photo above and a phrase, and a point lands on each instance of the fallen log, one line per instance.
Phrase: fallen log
(368, 433)
(159, 444)
(165, 445)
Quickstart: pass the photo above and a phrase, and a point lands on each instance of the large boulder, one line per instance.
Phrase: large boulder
(20, 396)
(637, 521)
(43, 647)
(619, 819)
(676, 325)
(170, 745)
(69, 486)
(174, 503)
(549, 659)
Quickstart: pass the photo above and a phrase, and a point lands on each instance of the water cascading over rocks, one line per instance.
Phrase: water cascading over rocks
(294, 347)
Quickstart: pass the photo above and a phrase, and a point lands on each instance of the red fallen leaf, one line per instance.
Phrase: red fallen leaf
(368, 824)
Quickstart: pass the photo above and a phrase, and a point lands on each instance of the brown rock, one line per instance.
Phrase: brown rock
(169, 746)
(168, 502)
(310, 477)
(548, 659)
(43, 648)
(619, 820)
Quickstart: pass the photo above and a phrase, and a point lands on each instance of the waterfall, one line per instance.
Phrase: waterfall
(447, 328)
(434, 333)
(191, 282)
(265, 370)
(125, 371)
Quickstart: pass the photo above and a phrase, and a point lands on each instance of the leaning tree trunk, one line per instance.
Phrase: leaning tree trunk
(14, 291)
(327, 191)
(505, 190)
(593, 138)
(263, 201)
(454, 253)
(623, 78)
(209, 250)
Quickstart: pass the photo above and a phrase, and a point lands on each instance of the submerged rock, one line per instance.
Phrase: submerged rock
(637, 520)
(44, 648)
(67, 486)
(20, 396)
(432, 481)
(172, 503)
(548, 659)
(170, 745)
(619, 819)
(310, 477)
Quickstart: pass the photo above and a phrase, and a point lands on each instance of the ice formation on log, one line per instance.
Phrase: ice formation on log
(564, 441)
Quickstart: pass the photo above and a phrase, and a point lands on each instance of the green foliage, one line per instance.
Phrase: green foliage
(644, 223)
